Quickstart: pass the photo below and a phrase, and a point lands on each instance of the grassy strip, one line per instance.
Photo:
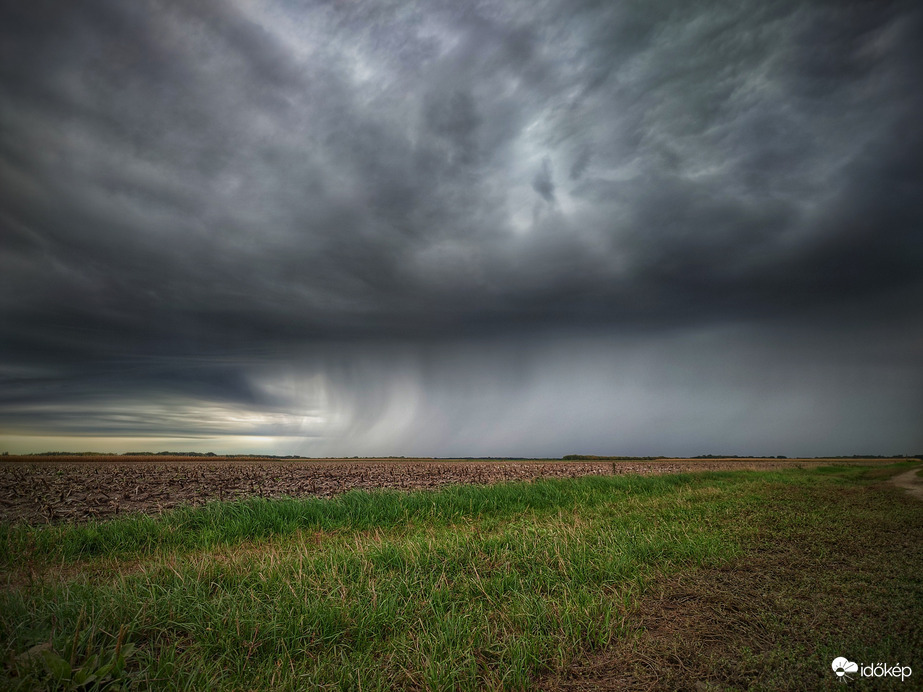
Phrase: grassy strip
(223, 523)
(464, 588)
(825, 571)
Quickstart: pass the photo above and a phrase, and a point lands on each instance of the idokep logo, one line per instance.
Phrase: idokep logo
(843, 667)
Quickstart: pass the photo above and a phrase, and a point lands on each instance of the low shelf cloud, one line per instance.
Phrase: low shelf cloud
(443, 228)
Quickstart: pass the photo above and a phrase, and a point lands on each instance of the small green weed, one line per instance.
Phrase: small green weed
(81, 667)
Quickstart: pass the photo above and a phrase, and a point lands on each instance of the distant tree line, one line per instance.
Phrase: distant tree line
(593, 457)
(566, 457)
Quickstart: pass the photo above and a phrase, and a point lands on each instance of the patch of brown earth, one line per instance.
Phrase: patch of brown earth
(63, 489)
(910, 482)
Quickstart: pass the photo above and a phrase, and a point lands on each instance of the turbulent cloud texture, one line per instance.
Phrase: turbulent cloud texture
(453, 227)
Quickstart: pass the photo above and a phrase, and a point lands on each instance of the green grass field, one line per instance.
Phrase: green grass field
(512, 586)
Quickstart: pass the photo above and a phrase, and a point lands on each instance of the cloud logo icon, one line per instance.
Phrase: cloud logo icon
(842, 666)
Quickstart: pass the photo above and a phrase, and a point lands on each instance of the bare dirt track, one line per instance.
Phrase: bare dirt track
(52, 489)
(910, 482)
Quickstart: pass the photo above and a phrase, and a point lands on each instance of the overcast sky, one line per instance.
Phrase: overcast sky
(462, 228)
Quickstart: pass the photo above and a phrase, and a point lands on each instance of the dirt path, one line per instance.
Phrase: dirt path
(911, 482)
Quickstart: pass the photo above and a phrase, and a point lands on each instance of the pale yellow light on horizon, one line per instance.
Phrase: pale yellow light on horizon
(229, 444)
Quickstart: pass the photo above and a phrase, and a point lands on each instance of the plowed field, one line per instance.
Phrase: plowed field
(63, 489)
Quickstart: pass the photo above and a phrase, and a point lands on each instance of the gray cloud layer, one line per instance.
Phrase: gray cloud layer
(195, 194)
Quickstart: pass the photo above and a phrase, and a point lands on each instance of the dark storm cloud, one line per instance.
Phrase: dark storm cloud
(191, 193)
(543, 182)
